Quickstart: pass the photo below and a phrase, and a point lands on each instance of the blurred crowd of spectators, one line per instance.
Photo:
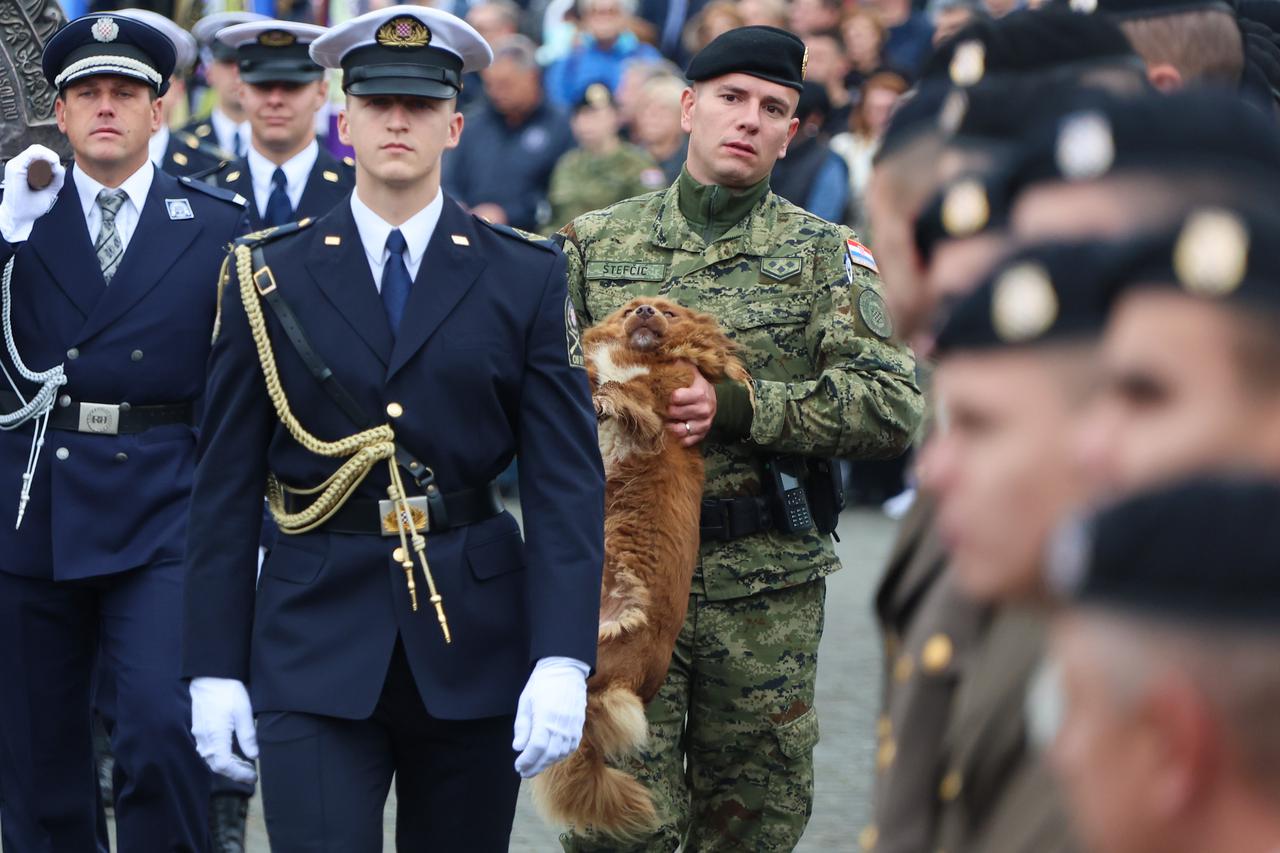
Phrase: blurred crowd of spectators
(528, 115)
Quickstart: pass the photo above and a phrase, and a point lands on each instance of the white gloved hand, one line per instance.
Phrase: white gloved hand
(220, 706)
(21, 205)
(552, 710)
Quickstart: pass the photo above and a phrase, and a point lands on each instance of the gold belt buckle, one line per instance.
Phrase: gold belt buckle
(418, 518)
(100, 418)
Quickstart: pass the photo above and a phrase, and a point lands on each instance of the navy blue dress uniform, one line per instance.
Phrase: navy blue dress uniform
(95, 565)
(349, 680)
(328, 184)
(276, 52)
(185, 155)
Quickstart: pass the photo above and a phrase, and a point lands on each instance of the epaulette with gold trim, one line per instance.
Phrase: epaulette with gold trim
(521, 235)
(275, 232)
(230, 196)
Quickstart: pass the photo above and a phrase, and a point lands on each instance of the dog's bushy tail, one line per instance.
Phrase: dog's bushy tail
(582, 791)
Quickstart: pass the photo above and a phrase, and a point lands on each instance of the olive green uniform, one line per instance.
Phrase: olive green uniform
(738, 702)
(583, 181)
(954, 769)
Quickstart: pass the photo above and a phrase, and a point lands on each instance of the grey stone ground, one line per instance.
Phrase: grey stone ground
(848, 688)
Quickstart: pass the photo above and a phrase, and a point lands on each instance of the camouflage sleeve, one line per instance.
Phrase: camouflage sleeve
(864, 403)
(577, 280)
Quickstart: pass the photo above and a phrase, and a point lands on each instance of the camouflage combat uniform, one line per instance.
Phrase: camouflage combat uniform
(828, 383)
(583, 181)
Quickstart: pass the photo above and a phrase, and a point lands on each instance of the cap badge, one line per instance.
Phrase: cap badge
(1212, 253)
(1085, 147)
(277, 38)
(1084, 7)
(597, 95)
(965, 209)
(968, 63)
(804, 63)
(1024, 304)
(403, 31)
(105, 29)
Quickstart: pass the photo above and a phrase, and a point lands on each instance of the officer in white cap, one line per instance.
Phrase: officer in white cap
(178, 153)
(286, 172)
(363, 659)
(225, 127)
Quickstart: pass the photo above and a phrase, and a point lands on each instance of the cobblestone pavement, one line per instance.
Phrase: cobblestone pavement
(848, 688)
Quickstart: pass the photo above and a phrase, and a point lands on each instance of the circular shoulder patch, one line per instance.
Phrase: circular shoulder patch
(875, 313)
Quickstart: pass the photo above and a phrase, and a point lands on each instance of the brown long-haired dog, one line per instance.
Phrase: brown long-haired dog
(653, 494)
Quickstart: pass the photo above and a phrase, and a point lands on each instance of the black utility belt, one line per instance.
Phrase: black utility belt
(726, 519)
(109, 418)
(365, 517)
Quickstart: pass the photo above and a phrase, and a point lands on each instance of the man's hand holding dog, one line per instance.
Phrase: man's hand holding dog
(692, 410)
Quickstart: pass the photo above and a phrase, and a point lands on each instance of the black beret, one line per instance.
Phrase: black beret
(1231, 256)
(916, 113)
(1193, 132)
(1131, 9)
(765, 52)
(1205, 551)
(108, 44)
(964, 207)
(1043, 294)
(1042, 40)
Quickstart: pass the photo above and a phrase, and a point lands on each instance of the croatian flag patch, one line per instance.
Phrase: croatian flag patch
(856, 253)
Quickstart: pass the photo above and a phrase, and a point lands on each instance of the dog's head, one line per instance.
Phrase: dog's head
(654, 329)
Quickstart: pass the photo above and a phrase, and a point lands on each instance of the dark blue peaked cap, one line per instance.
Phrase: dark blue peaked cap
(108, 44)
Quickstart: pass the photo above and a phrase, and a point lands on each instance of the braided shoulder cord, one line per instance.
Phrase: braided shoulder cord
(364, 449)
(39, 407)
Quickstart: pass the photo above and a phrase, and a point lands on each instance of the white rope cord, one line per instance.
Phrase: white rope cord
(107, 65)
(40, 406)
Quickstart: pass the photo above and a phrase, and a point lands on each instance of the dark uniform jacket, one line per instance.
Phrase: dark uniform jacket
(330, 182)
(115, 502)
(187, 155)
(481, 371)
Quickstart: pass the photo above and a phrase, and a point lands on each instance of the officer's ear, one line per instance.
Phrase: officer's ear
(1165, 78)
(688, 98)
(344, 126)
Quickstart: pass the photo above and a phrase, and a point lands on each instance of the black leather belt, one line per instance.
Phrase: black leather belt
(726, 519)
(377, 518)
(109, 418)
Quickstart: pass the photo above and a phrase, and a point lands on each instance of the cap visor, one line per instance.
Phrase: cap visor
(267, 75)
(413, 87)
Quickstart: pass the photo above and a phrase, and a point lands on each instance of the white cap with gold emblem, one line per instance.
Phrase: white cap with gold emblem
(403, 50)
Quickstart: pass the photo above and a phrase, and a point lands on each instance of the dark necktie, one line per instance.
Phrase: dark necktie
(279, 211)
(396, 280)
(109, 247)
(238, 141)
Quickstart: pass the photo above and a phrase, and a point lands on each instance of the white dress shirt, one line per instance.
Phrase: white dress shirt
(417, 231)
(158, 145)
(136, 187)
(225, 130)
(296, 171)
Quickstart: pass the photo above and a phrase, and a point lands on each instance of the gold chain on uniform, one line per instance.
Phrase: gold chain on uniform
(363, 450)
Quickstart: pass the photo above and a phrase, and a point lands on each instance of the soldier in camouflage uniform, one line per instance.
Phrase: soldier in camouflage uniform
(733, 729)
(603, 168)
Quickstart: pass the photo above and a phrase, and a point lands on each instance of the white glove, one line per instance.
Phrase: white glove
(549, 719)
(220, 706)
(21, 205)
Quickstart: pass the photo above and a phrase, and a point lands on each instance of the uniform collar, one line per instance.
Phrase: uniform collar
(296, 169)
(417, 230)
(744, 220)
(136, 187)
(225, 130)
(159, 145)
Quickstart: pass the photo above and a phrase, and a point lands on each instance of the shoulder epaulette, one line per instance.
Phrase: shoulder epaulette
(230, 196)
(518, 234)
(269, 235)
(195, 143)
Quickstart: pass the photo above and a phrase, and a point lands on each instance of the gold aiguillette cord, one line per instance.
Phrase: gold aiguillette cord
(409, 533)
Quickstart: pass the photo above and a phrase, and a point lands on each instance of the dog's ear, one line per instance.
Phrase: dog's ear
(709, 348)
